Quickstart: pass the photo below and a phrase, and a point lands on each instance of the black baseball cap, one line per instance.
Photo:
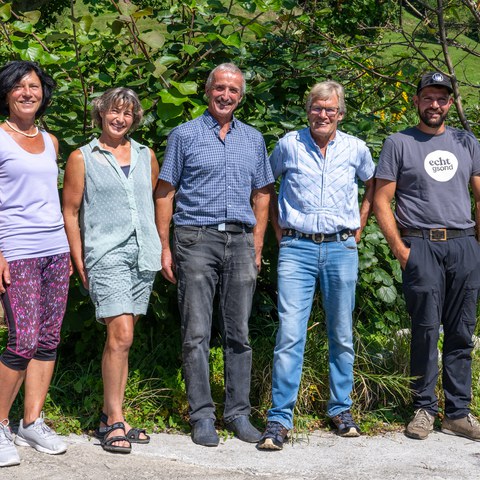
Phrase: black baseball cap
(434, 79)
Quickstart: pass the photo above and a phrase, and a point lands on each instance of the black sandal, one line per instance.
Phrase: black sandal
(133, 435)
(107, 441)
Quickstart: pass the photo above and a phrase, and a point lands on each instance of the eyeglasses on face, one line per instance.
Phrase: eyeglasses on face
(329, 111)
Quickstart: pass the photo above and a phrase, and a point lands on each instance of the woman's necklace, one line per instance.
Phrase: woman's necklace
(29, 135)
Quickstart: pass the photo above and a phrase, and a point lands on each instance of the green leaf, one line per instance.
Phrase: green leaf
(33, 16)
(127, 8)
(146, 103)
(186, 88)
(159, 69)
(22, 26)
(138, 82)
(145, 12)
(168, 97)
(381, 276)
(33, 52)
(166, 111)
(387, 294)
(86, 22)
(153, 39)
(198, 110)
(5, 12)
(259, 30)
(167, 60)
(190, 49)
(50, 59)
(233, 40)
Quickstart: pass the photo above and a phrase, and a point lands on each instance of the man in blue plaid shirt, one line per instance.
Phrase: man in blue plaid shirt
(217, 170)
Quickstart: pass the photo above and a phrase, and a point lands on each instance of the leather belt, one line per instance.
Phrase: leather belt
(437, 234)
(231, 227)
(320, 237)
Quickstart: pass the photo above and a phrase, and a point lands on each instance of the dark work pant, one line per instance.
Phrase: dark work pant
(441, 284)
(209, 261)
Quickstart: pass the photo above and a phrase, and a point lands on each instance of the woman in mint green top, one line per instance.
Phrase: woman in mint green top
(110, 223)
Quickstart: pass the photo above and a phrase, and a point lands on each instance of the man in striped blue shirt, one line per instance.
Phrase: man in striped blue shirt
(318, 224)
(216, 168)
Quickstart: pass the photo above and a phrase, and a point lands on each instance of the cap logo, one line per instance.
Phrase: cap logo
(437, 77)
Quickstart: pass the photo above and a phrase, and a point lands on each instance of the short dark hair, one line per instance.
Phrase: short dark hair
(13, 72)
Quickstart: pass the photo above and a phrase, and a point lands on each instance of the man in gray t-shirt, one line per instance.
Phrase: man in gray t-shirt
(428, 169)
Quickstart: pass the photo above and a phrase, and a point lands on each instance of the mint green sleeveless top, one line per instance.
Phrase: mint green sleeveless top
(115, 206)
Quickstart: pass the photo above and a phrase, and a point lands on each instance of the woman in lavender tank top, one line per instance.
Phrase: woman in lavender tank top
(34, 257)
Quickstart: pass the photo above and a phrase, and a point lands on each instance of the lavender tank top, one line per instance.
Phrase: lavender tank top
(31, 223)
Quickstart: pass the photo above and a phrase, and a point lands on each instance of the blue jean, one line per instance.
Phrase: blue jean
(301, 264)
(209, 262)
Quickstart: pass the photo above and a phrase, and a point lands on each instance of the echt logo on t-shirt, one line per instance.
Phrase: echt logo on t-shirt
(441, 165)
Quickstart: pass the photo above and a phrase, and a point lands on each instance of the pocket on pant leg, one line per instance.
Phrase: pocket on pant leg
(187, 236)
(469, 311)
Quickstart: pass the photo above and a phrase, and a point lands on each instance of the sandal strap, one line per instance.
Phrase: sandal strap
(104, 418)
(134, 434)
(108, 441)
(114, 426)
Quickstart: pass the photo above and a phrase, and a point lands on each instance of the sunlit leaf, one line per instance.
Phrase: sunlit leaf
(153, 39)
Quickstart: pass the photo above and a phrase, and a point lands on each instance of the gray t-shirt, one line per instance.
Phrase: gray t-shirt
(432, 173)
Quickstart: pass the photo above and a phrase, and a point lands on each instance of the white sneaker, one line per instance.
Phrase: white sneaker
(40, 436)
(8, 452)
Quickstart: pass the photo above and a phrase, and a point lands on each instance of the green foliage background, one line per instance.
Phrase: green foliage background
(164, 49)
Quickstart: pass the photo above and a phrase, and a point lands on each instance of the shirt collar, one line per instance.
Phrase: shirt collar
(336, 139)
(211, 122)
(135, 145)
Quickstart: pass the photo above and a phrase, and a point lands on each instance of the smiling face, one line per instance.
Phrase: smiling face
(25, 98)
(323, 117)
(117, 121)
(433, 104)
(224, 94)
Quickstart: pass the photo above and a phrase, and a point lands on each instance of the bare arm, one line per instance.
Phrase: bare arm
(274, 214)
(73, 188)
(260, 204)
(155, 168)
(4, 274)
(384, 193)
(366, 207)
(475, 184)
(164, 195)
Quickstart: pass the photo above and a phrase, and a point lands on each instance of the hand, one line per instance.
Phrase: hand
(84, 277)
(168, 266)
(358, 235)
(402, 256)
(258, 260)
(4, 274)
(82, 273)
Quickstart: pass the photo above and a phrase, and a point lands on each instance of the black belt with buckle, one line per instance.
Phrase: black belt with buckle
(437, 234)
(320, 237)
(231, 227)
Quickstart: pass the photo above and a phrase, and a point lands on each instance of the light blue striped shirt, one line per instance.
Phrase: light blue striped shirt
(317, 194)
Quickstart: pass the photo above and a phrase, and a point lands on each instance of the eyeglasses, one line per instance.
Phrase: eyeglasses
(329, 111)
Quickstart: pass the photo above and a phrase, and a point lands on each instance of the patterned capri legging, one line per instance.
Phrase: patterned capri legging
(34, 305)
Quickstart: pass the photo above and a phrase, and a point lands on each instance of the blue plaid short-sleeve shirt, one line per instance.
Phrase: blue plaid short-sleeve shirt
(214, 178)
